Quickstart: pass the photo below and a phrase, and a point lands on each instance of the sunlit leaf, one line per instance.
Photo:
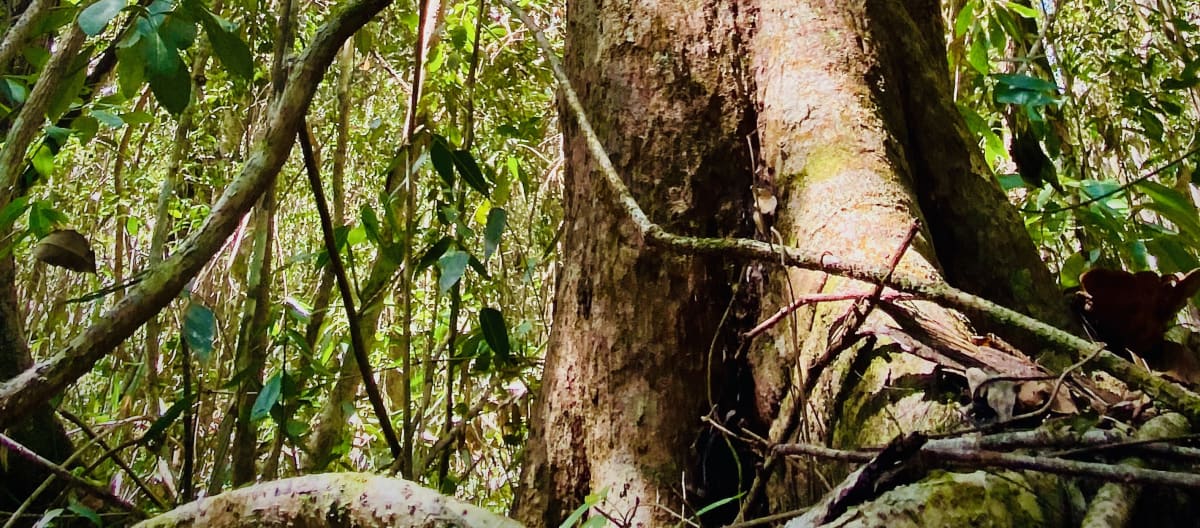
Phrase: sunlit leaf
(43, 160)
(452, 266)
(267, 398)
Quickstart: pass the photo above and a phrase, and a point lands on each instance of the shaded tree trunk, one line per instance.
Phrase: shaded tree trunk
(842, 114)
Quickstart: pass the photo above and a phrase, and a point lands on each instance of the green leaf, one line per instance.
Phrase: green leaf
(43, 160)
(442, 158)
(452, 265)
(496, 219)
(370, 222)
(160, 58)
(131, 71)
(495, 332)
(267, 398)
(85, 128)
(977, 56)
(718, 504)
(228, 46)
(173, 92)
(1025, 82)
(154, 435)
(1173, 206)
(70, 86)
(43, 218)
(432, 254)
(108, 118)
(1009, 182)
(85, 512)
(178, 29)
(1025, 11)
(1024, 90)
(13, 211)
(94, 17)
(199, 330)
(470, 171)
(966, 15)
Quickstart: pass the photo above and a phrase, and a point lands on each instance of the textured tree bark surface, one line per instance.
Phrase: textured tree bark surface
(843, 114)
(626, 376)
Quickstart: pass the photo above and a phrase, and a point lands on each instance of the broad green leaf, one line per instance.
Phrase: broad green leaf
(1095, 189)
(228, 46)
(495, 332)
(432, 254)
(43, 160)
(465, 163)
(13, 211)
(966, 15)
(108, 118)
(443, 159)
(43, 218)
(173, 92)
(93, 18)
(1009, 182)
(85, 128)
(496, 220)
(161, 59)
(267, 398)
(14, 90)
(1137, 254)
(370, 222)
(70, 86)
(1023, 10)
(178, 29)
(1173, 206)
(977, 56)
(199, 330)
(131, 71)
(1072, 268)
(139, 117)
(298, 309)
(452, 265)
(357, 235)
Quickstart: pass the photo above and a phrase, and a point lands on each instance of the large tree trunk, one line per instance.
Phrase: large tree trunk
(853, 132)
(626, 374)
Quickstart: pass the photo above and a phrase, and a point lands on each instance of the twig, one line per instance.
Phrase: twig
(339, 272)
(942, 453)
(814, 298)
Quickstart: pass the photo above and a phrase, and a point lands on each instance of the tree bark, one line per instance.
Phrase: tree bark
(841, 115)
(630, 352)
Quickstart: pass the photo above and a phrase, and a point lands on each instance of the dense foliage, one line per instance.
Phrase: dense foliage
(446, 214)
